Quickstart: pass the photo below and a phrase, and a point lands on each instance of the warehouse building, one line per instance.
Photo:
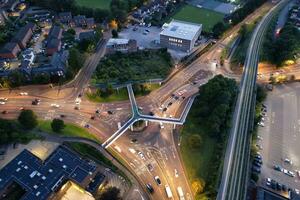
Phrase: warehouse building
(180, 35)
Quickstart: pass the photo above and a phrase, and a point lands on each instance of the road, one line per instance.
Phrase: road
(235, 171)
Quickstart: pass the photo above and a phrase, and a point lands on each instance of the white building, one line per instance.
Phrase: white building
(180, 35)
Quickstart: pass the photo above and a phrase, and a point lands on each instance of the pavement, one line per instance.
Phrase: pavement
(281, 135)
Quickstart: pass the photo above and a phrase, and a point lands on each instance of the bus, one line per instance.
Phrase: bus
(168, 191)
(180, 193)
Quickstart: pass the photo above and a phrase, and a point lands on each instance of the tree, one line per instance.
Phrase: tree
(28, 119)
(218, 29)
(195, 141)
(16, 79)
(261, 93)
(57, 125)
(114, 33)
(110, 193)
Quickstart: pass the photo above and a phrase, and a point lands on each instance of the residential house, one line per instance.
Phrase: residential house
(54, 40)
(79, 21)
(10, 50)
(57, 65)
(87, 35)
(90, 23)
(24, 35)
(65, 17)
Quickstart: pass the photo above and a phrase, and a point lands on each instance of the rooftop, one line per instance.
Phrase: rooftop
(181, 29)
(117, 41)
(40, 179)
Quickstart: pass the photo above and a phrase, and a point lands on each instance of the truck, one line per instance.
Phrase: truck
(180, 193)
(168, 191)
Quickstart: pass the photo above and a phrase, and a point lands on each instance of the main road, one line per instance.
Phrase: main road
(234, 179)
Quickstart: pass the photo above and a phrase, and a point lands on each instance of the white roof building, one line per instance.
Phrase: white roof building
(180, 35)
(180, 29)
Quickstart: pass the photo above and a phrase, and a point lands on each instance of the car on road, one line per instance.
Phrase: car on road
(288, 161)
(36, 102)
(165, 109)
(157, 180)
(92, 117)
(176, 173)
(86, 126)
(110, 112)
(62, 116)
(2, 102)
(141, 155)
(97, 111)
(133, 140)
(278, 168)
(149, 188)
(3, 99)
(151, 113)
(297, 191)
(55, 105)
(23, 93)
(150, 167)
(4, 112)
(76, 108)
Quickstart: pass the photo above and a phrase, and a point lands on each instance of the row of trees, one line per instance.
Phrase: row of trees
(285, 46)
(118, 8)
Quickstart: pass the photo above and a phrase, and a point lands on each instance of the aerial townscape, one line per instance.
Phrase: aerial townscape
(149, 99)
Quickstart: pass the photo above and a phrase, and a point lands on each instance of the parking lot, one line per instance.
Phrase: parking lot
(145, 39)
(280, 137)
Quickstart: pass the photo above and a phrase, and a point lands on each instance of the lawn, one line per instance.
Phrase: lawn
(69, 130)
(197, 162)
(202, 16)
(120, 95)
(102, 4)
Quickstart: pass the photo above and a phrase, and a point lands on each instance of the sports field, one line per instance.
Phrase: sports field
(103, 4)
(202, 16)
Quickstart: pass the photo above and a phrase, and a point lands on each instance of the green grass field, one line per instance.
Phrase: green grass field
(121, 95)
(69, 130)
(196, 167)
(205, 17)
(102, 4)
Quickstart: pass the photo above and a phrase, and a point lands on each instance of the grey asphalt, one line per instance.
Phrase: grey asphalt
(281, 134)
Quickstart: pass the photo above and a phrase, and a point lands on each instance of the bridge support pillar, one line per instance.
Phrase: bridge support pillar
(174, 126)
(131, 128)
(146, 123)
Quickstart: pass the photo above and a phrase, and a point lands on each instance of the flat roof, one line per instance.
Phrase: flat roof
(181, 29)
(116, 41)
(42, 179)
